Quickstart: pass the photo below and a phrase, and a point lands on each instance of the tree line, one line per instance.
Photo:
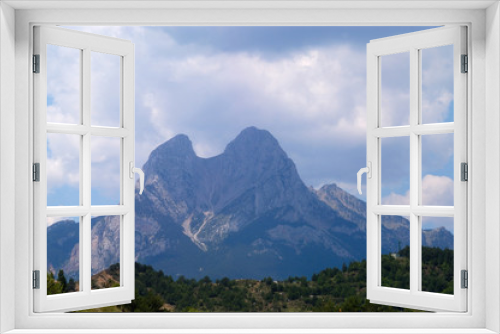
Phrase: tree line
(331, 290)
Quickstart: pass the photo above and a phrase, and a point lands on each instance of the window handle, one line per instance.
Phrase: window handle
(368, 171)
(133, 170)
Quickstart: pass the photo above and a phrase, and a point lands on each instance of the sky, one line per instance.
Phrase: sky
(306, 85)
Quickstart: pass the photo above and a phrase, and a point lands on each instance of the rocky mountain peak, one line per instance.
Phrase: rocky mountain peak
(176, 153)
(178, 145)
(255, 142)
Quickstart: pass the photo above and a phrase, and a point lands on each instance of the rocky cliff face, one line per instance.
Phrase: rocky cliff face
(244, 213)
(346, 205)
(63, 251)
(395, 229)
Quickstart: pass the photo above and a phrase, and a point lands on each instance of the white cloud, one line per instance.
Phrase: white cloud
(307, 100)
(63, 161)
(395, 89)
(437, 150)
(63, 84)
(435, 107)
(437, 83)
(397, 199)
(313, 100)
(105, 157)
(63, 166)
(310, 98)
(436, 190)
(105, 89)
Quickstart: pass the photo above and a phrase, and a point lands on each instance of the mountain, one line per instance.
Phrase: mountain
(395, 229)
(243, 214)
(438, 237)
(62, 247)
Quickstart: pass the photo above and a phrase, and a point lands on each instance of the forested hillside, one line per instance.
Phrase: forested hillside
(331, 290)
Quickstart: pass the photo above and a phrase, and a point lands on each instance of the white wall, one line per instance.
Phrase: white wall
(7, 159)
(492, 163)
(23, 268)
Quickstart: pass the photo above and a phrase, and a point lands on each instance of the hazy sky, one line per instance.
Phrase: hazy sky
(306, 85)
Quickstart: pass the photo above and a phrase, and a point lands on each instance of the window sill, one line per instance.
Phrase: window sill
(250, 331)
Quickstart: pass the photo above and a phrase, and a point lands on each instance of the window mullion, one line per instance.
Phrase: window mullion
(86, 228)
(414, 172)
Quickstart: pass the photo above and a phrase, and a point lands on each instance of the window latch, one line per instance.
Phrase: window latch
(368, 171)
(132, 171)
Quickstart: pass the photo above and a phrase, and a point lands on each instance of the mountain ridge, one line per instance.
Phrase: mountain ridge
(245, 213)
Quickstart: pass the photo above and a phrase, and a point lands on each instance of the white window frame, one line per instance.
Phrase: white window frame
(481, 17)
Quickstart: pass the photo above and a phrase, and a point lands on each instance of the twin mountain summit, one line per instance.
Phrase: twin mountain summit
(245, 213)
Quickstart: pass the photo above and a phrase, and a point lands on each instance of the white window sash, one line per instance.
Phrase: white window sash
(415, 297)
(85, 298)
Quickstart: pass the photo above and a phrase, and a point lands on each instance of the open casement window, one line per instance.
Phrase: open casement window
(416, 117)
(83, 150)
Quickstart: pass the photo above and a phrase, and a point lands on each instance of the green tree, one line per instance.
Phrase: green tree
(331, 290)
(149, 303)
(62, 280)
(71, 285)
(53, 287)
(206, 280)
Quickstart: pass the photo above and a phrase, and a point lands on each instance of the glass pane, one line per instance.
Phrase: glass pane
(63, 169)
(105, 152)
(437, 84)
(395, 252)
(437, 254)
(63, 84)
(395, 89)
(437, 169)
(105, 252)
(105, 89)
(63, 254)
(395, 167)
